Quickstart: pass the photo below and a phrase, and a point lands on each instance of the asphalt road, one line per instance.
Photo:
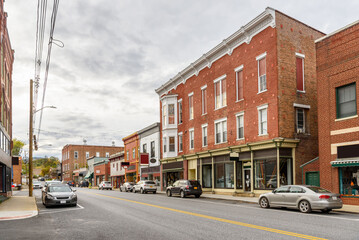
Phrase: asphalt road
(118, 215)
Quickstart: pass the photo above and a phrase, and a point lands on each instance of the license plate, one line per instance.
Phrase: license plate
(334, 198)
(195, 187)
(62, 201)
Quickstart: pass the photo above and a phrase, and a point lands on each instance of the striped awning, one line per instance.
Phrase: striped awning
(345, 162)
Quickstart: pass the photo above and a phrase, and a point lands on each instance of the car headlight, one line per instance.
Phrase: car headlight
(49, 196)
(73, 195)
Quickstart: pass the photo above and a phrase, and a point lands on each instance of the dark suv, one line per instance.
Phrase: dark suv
(185, 188)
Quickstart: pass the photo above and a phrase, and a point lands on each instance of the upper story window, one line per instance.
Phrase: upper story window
(204, 135)
(239, 82)
(262, 77)
(346, 100)
(171, 114)
(164, 115)
(116, 166)
(190, 101)
(153, 149)
(180, 111)
(107, 154)
(221, 130)
(144, 148)
(172, 145)
(191, 138)
(204, 99)
(127, 155)
(76, 154)
(97, 154)
(133, 153)
(220, 92)
(262, 119)
(300, 115)
(300, 71)
(87, 154)
(164, 144)
(180, 142)
(240, 125)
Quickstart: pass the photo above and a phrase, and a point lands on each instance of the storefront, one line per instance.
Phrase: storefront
(131, 173)
(171, 172)
(348, 179)
(151, 173)
(5, 180)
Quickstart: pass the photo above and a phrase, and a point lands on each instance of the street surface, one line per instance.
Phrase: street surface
(119, 215)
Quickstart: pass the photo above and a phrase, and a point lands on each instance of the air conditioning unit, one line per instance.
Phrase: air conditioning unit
(300, 130)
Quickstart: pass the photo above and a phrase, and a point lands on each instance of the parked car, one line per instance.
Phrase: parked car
(53, 182)
(36, 185)
(84, 183)
(303, 197)
(59, 194)
(105, 185)
(185, 188)
(145, 187)
(127, 187)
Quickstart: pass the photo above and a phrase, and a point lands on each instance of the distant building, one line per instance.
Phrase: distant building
(150, 143)
(75, 156)
(242, 118)
(101, 171)
(17, 170)
(7, 59)
(90, 176)
(338, 122)
(117, 171)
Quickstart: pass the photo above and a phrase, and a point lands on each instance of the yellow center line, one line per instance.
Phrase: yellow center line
(216, 218)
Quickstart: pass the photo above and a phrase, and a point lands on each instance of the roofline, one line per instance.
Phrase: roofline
(243, 35)
(82, 145)
(156, 124)
(129, 136)
(337, 31)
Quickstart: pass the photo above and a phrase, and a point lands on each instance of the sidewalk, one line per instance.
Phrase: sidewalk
(19, 206)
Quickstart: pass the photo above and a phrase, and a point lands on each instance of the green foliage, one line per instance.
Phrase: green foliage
(45, 171)
(17, 146)
(46, 162)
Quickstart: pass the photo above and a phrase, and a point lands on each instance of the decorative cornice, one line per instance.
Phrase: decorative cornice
(243, 35)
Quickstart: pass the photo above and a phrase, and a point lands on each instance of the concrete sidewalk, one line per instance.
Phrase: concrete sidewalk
(18, 207)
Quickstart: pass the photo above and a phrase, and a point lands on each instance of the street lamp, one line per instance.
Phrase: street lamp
(43, 108)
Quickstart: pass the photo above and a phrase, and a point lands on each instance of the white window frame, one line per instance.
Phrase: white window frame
(204, 100)
(164, 115)
(302, 56)
(204, 127)
(260, 108)
(97, 154)
(164, 144)
(87, 155)
(220, 79)
(300, 130)
(107, 154)
(237, 70)
(258, 58)
(76, 154)
(190, 140)
(220, 121)
(180, 111)
(168, 113)
(238, 115)
(189, 106)
(174, 144)
(180, 136)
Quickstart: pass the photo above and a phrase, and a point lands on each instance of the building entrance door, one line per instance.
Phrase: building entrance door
(247, 180)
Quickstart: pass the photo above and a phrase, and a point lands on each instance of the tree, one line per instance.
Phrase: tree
(17, 146)
(45, 171)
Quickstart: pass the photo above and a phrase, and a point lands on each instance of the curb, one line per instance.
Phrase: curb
(29, 215)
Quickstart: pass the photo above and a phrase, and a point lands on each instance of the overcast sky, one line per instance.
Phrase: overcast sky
(118, 52)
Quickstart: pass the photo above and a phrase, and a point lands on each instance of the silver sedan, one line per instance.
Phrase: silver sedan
(302, 197)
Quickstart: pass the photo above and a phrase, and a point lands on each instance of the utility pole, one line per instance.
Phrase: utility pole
(30, 137)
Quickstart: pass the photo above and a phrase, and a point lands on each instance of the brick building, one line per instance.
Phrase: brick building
(101, 171)
(7, 59)
(75, 157)
(132, 150)
(338, 122)
(243, 117)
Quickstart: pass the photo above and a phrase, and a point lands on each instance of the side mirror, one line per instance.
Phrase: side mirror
(74, 190)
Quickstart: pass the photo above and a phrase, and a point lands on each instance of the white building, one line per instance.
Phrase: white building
(117, 171)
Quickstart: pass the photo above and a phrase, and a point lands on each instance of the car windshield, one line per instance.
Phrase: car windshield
(107, 182)
(194, 183)
(319, 190)
(149, 182)
(36, 183)
(59, 189)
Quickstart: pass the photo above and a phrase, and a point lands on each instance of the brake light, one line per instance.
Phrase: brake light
(324, 197)
(187, 187)
(144, 185)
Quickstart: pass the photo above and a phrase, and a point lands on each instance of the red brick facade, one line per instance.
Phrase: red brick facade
(101, 172)
(70, 162)
(131, 150)
(337, 66)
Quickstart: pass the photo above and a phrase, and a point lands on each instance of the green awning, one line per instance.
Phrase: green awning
(345, 162)
(88, 175)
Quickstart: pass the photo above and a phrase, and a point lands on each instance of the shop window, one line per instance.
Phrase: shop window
(224, 175)
(346, 101)
(207, 176)
(350, 180)
(265, 174)
(285, 171)
(239, 169)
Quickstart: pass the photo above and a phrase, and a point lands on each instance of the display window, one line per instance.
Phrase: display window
(207, 176)
(239, 169)
(224, 175)
(350, 180)
(265, 174)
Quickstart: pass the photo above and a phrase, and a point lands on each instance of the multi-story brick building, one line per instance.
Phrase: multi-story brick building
(132, 150)
(338, 122)
(7, 59)
(150, 144)
(243, 117)
(75, 156)
(101, 171)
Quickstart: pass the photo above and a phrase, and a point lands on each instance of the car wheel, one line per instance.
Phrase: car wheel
(120, 190)
(182, 194)
(154, 192)
(74, 205)
(326, 210)
(133, 190)
(141, 191)
(263, 202)
(169, 193)
(304, 206)
(197, 195)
